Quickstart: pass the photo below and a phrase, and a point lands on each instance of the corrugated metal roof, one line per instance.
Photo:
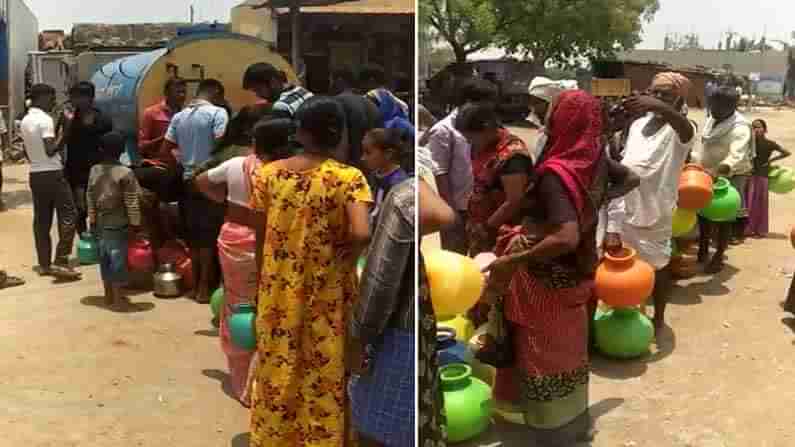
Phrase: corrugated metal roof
(346, 7)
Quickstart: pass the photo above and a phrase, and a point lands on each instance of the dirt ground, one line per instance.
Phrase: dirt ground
(76, 374)
(73, 373)
(722, 373)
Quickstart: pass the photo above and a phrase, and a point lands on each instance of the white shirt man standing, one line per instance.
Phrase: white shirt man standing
(727, 150)
(50, 189)
(656, 150)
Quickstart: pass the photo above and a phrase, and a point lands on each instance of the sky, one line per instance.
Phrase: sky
(675, 16)
(62, 14)
(748, 18)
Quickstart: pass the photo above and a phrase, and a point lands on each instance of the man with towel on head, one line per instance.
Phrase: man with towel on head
(657, 147)
(543, 93)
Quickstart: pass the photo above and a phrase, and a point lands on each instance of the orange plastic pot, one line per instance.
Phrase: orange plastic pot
(624, 280)
(695, 188)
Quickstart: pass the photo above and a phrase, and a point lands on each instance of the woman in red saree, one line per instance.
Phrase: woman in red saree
(553, 256)
(493, 147)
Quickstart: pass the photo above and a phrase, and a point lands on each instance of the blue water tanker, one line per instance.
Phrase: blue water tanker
(127, 86)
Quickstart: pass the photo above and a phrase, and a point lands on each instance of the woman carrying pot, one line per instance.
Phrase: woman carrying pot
(230, 183)
(553, 257)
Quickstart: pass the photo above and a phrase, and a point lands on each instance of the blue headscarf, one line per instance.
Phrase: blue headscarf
(394, 112)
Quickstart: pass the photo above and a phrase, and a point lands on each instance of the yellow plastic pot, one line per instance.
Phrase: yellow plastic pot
(464, 329)
(683, 222)
(455, 282)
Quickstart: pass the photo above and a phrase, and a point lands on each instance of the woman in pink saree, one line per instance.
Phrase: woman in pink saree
(230, 182)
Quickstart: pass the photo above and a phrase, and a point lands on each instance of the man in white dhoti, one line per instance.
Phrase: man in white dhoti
(657, 147)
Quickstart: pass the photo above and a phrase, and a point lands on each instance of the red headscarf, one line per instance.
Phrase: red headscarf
(575, 144)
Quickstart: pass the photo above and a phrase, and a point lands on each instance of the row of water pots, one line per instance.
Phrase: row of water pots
(717, 201)
(781, 180)
(174, 275)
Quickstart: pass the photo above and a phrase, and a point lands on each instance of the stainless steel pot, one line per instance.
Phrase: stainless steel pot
(168, 282)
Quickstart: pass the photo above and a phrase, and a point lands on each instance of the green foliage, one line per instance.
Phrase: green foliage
(467, 26)
(559, 31)
(565, 30)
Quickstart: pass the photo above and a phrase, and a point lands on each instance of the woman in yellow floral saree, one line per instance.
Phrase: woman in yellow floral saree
(313, 225)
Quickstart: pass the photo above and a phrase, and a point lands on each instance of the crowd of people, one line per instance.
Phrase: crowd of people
(275, 204)
(600, 178)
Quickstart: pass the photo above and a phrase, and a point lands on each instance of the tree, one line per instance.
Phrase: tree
(467, 26)
(563, 31)
(690, 41)
(735, 42)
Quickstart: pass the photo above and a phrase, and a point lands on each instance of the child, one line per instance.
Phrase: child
(756, 194)
(383, 152)
(113, 211)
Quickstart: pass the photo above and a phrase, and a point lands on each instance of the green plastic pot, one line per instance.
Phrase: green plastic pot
(87, 249)
(783, 182)
(217, 301)
(468, 402)
(725, 202)
(242, 326)
(623, 333)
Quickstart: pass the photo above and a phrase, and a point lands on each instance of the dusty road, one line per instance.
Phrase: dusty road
(75, 374)
(722, 375)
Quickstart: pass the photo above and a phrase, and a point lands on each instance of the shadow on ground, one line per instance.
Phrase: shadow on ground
(223, 378)
(99, 301)
(241, 440)
(207, 332)
(17, 199)
(504, 434)
(777, 236)
(693, 291)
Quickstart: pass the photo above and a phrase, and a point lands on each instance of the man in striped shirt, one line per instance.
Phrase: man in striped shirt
(270, 84)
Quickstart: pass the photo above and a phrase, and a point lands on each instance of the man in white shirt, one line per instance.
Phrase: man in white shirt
(50, 189)
(727, 150)
(656, 150)
(451, 152)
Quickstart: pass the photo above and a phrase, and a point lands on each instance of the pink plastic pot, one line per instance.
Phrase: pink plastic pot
(140, 257)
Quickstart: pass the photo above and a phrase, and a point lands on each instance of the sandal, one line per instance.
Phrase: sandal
(10, 281)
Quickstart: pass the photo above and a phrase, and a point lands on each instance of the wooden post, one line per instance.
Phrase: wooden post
(295, 35)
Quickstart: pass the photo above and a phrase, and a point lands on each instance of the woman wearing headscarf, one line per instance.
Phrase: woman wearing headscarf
(553, 258)
(394, 112)
(543, 92)
(499, 168)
